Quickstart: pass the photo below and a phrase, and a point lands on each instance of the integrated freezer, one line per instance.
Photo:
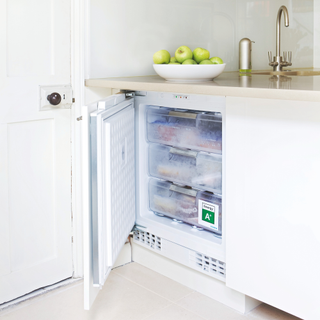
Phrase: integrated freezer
(154, 165)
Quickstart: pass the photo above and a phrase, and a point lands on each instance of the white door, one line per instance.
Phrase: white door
(35, 170)
(108, 164)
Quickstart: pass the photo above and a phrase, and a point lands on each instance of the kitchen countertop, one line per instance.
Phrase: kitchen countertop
(301, 88)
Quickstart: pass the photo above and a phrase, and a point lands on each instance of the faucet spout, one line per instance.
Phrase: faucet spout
(284, 10)
(278, 62)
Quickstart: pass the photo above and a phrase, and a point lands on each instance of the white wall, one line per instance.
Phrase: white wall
(316, 34)
(126, 33)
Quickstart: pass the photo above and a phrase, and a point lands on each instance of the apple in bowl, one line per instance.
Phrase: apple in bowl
(187, 66)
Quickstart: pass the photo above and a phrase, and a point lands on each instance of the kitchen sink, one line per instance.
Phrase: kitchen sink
(302, 72)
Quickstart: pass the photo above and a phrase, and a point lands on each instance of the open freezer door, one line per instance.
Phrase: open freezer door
(108, 164)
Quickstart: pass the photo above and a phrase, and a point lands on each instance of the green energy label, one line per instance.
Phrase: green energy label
(208, 214)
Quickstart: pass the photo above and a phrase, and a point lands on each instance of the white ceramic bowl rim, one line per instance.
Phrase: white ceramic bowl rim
(189, 72)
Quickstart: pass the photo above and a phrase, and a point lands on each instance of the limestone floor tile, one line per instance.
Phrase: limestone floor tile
(119, 299)
(153, 281)
(133, 292)
(51, 303)
(51, 306)
(266, 312)
(174, 312)
(212, 310)
(123, 299)
(207, 308)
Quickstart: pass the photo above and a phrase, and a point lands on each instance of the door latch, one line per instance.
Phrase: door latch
(54, 97)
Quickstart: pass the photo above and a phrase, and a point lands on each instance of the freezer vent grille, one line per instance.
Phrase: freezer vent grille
(208, 264)
(149, 239)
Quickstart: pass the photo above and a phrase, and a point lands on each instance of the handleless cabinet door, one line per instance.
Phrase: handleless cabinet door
(272, 192)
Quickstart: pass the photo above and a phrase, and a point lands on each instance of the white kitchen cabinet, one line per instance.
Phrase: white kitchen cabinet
(269, 248)
(272, 199)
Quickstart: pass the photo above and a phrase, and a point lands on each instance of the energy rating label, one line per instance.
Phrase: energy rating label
(208, 214)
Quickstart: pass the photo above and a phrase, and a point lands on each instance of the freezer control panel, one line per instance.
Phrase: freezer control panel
(176, 96)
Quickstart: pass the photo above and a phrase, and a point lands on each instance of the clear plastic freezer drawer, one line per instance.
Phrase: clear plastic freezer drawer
(197, 169)
(198, 208)
(195, 130)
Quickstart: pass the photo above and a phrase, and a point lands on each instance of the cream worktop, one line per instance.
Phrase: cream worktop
(301, 88)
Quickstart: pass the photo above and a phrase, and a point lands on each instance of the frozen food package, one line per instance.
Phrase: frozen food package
(197, 208)
(196, 130)
(201, 170)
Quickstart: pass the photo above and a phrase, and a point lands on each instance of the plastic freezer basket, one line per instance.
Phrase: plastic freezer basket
(183, 204)
(195, 130)
(197, 169)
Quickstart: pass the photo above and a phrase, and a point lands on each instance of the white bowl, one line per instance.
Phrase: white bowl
(189, 72)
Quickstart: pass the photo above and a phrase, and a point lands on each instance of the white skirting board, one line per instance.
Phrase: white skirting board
(208, 286)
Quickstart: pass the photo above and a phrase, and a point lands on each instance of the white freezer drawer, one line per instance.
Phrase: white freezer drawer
(197, 169)
(194, 130)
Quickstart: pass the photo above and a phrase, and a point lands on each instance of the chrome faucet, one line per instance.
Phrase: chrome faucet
(278, 62)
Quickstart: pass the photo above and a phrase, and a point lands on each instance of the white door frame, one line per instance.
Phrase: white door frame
(80, 23)
(80, 58)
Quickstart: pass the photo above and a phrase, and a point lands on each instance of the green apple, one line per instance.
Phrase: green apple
(162, 56)
(174, 63)
(206, 62)
(189, 61)
(173, 59)
(216, 60)
(183, 53)
(200, 54)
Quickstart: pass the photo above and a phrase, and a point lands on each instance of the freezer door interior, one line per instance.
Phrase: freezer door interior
(111, 188)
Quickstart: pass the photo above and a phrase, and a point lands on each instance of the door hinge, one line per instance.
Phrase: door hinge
(79, 118)
(73, 100)
(137, 226)
(72, 239)
(130, 94)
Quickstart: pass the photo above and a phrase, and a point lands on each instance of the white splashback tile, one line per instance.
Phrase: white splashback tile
(126, 33)
(257, 21)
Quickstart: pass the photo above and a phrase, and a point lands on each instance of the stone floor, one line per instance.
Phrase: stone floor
(133, 292)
